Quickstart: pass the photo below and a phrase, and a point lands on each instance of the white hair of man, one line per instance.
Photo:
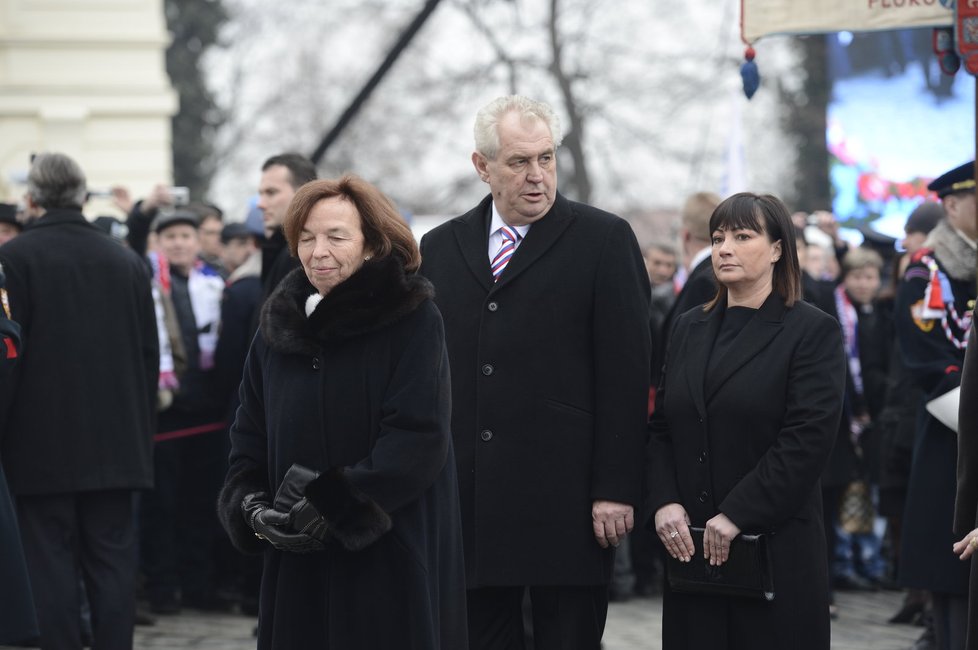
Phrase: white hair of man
(56, 181)
(487, 121)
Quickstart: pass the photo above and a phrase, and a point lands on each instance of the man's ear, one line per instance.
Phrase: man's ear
(481, 164)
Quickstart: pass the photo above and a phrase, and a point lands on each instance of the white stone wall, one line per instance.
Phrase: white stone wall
(87, 78)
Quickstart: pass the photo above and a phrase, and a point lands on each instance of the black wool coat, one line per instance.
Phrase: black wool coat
(966, 504)
(360, 392)
(750, 441)
(934, 363)
(550, 376)
(700, 288)
(83, 396)
(17, 621)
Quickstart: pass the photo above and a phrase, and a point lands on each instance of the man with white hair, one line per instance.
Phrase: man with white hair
(546, 310)
(77, 436)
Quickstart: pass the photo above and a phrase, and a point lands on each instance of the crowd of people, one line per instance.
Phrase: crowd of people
(481, 439)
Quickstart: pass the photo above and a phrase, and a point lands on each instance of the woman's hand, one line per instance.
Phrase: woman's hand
(672, 526)
(966, 547)
(720, 531)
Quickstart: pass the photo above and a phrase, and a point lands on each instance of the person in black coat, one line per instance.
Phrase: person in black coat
(348, 380)
(747, 412)
(17, 620)
(281, 177)
(932, 318)
(549, 348)
(966, 501)
(77, 439)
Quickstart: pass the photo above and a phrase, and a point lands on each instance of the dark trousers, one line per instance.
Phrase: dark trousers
(178, 525)
(91, 534)
(564, 618)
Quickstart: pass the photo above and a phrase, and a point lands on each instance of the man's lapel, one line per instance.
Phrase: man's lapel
(541, 236)
(472, 233)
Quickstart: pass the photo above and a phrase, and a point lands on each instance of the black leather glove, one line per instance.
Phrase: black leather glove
(272, 525)
(303, 517)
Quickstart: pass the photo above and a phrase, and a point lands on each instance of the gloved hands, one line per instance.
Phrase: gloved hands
(303, 517)
(275, 526)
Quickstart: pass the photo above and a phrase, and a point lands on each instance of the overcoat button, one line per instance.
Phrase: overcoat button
(492, 306)
(315, 363)
(486, 435)
(487, 369)
(703, 496)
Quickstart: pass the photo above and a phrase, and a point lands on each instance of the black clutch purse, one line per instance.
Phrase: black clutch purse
(747, 571)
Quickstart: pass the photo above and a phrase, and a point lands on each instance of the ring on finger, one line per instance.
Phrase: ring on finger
(673, 534)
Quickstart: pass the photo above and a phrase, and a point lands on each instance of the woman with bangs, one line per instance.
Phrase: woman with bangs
(746, 416)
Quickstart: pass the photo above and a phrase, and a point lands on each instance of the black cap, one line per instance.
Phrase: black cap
(235, 230)
(8, 214)
(164, 221)
(875, 239)
(924, 217)
(958, 179)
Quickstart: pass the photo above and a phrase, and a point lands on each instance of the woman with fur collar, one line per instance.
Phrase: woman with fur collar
(342, 470)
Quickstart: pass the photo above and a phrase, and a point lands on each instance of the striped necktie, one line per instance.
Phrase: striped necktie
(499, 262)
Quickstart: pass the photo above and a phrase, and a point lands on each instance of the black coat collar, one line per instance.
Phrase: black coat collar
(59, 216)
(472, 232)
(378, 294)
(764, 326)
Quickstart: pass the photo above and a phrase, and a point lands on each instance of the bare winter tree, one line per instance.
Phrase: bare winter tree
(648, 94)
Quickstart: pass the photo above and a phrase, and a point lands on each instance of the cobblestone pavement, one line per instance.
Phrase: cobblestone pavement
(632, 625)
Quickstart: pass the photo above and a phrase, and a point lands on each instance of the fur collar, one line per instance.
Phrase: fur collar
(377, 295)
(954, 254)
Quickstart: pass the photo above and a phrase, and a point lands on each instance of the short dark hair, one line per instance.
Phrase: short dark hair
(384, 230)
(762, 213)
(301, 169)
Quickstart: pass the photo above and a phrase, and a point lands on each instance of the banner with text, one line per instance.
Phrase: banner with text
(764, 17)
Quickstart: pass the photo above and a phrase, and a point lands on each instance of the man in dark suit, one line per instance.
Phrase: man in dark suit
(77, 438)
(546, 306)
(700, 285)
(281, 176)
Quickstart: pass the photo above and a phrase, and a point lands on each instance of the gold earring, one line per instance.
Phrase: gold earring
(366, 258)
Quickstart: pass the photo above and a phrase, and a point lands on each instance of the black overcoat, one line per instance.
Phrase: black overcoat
(966, 503)
(550, 376)
(17, 620)
(360, 391)
(750, 441)
(934, 363)
(84, 393)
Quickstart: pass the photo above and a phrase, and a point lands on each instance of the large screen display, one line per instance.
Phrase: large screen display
(895, 122)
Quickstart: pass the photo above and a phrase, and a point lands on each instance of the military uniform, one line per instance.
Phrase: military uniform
(933, 318)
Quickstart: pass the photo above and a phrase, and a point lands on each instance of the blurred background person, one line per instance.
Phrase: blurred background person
(661, 262)
(10, 227)
(179, 531)
(237, 576)
(77, 434)
(349, 377)
(209, 231)
(18, 625)
(896, 423)
(281, 176)
(854, 539)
